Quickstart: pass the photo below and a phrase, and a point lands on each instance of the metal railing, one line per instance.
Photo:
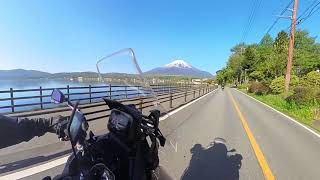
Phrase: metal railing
(39, 99)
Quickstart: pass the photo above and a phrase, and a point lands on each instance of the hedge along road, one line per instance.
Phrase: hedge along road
(290, 151)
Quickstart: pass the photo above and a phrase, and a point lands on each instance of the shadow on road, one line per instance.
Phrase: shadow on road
(215, 162)
(30, 161)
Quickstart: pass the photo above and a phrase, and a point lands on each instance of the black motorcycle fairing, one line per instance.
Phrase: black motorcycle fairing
(132, 159)
(114, 156)
(130, 109)
(134, 132)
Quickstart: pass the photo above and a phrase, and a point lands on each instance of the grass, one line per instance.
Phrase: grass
(302, 113)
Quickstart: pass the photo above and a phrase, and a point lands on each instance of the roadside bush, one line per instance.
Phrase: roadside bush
(277, 85)
(243, 86)
(259, 88)
(302, 95)
(312, 79)
(318, 97)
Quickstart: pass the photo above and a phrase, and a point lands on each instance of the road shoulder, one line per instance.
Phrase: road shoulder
(311, 130)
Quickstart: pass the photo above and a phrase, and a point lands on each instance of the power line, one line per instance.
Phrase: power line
(249, 20)
(307, 9)
(277, 19)
(312, 11)
(247, 28)
(312, 6)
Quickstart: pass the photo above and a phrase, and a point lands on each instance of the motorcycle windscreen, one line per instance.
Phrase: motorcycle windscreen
(121, 72)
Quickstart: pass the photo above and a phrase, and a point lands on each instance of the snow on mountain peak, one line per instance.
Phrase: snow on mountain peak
(179, 64)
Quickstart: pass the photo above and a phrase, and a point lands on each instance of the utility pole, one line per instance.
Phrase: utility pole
(290, 47)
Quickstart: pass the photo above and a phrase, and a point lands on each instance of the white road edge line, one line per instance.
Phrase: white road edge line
(57, 162)
(36, 169)
(288, 117)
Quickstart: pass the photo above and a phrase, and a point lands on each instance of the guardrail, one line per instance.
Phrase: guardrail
(39, 99)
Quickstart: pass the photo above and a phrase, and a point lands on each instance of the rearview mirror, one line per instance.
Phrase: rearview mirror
(57, 96)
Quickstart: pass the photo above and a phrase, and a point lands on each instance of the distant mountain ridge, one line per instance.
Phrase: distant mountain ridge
(176, 68)
(35, 74)
(179, 68)
(22, 73)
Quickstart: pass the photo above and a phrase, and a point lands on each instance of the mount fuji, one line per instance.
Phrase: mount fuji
(179, 68)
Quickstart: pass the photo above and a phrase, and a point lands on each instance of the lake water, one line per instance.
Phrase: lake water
(45, 83)
(5, 85)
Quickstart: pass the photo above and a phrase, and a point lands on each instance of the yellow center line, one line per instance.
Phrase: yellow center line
(261, 159)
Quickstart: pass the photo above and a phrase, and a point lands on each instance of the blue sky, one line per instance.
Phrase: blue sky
(59, 36)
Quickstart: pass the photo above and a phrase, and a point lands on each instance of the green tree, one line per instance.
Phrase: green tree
(278, 62)
(250, 57)
(267, 60)
(263, 68)
(281, 43)
(306, 53)
(257, 75)
(238, 49)
(266, 41)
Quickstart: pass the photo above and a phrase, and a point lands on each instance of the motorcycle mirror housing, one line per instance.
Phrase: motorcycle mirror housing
(57, 96)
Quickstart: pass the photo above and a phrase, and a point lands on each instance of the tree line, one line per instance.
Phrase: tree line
(267, 60)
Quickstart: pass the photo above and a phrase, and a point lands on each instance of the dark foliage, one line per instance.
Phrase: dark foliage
(259, 88)
(302, 95)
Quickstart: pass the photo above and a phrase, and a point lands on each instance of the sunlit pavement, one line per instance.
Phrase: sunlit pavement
(290, 151)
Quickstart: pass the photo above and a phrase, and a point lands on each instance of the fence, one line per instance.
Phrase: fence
(90, 95)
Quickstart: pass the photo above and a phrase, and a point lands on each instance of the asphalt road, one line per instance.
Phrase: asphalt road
(290, 151)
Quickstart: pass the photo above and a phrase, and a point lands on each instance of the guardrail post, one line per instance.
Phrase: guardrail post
(194, 94)
(199, 91)
(110, 88)
(171, 99)
(68, 91)
(12, 100)
(126, 91)
(41, 102)
(185, 95)
(140, 104)
(90, 94)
